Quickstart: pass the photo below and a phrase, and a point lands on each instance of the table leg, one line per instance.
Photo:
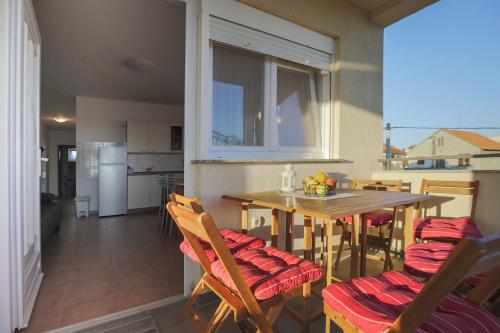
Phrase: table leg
(274, 227)
(289, 232)
(364, 245)
(329, 252)
(307, 238)
(354, 247)
(408, 226)
(244, 218)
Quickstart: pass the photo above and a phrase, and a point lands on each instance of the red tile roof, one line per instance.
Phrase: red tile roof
(476, 139)
(394, 150)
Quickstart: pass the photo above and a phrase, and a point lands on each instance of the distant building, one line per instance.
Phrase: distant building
(395, 152)
(452, 143)
(495, 138)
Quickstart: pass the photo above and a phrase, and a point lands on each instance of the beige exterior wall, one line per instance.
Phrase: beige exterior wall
(358, 119)
(451, 146)
(358, 106)
(488, 209)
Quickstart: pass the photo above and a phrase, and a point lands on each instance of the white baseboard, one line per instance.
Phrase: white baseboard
(118, 315)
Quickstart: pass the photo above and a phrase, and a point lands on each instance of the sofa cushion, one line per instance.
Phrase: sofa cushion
(46, 198)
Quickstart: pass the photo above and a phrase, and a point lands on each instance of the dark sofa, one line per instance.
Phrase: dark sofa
(51, 214)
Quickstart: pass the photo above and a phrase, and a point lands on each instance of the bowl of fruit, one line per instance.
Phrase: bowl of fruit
(320, 185)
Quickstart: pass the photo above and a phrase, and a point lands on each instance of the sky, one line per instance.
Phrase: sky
(442, 69)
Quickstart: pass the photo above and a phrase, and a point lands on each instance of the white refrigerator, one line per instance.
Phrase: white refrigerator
(112, 181)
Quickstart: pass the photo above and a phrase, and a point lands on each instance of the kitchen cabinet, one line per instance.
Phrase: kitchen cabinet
(154, 137)
(138, 192)
(154, 191)
(176, 138)
(159, 137)
(137, 136)
(144, 191)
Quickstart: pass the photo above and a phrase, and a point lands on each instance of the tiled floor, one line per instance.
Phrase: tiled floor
(95, 267)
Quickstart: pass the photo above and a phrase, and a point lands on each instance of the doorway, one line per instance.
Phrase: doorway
(66, 170)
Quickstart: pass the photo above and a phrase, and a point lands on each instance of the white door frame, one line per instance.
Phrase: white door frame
(6, 311)
(20, 160)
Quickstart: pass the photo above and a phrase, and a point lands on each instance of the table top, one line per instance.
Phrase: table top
(366, 201)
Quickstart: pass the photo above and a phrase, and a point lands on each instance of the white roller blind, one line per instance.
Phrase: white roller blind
(254, 40)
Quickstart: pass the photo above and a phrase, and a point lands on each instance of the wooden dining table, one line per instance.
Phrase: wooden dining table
(329, 211)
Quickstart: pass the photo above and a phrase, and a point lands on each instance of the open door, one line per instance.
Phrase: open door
(25, 159)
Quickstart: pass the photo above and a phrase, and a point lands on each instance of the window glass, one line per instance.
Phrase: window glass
(237, 97)
(72, 155)
(300, 95)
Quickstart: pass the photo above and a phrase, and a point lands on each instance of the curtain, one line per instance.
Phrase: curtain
(297, 108)
(237, 97)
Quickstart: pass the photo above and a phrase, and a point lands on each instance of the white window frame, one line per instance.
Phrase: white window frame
(244, 15)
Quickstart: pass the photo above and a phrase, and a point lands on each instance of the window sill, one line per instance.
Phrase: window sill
(291, 161)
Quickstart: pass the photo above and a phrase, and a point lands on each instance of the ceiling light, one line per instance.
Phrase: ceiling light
(139, 65)
(61, 119)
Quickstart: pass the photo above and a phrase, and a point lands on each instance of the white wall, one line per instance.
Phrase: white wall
(5, 248)
(102, 121)
(56, 138)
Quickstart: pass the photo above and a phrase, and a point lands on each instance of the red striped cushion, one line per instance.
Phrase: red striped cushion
(270, 271)
(235, 241)
(424, 260)
(373, 303)
(440, 229)
(373, 219)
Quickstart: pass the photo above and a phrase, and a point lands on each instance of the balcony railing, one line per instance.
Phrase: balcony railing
(489, 161)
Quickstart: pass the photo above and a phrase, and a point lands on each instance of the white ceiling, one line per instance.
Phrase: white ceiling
(86, 42)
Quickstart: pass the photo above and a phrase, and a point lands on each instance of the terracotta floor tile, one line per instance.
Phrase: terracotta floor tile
(44, 321)
(92, 274)
(95, 267)
(132, 298)
(87, 310)
(89, 291)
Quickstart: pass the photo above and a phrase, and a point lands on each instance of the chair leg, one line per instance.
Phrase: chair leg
(198, 289)
(339, 252)
(328, 322)
(387, 259)
(306, 293)
(218, 317)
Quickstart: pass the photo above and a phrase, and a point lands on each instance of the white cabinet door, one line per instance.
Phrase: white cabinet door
(138, 192)
(154, 191)
(159, 134)
(137, 136)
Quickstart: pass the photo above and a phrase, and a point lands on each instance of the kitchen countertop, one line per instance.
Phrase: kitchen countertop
(155, 173)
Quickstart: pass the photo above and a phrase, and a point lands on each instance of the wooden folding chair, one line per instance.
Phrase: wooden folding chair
(381, 221)
(237, 299)
(395, 302)
(445, 229)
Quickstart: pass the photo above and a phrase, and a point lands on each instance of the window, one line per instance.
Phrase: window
(267, 103)
(237, 98)
(440, 142)
(298, 109)
(176, 138)
(72, 155)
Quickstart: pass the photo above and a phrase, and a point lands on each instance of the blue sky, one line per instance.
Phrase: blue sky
(442, 69)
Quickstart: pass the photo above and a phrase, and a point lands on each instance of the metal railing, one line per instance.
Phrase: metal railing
(464, 161)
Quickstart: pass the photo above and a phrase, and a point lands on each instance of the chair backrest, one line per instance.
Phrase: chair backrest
(196, 225)
(471, 256)
(377, 184)
(450, 187)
